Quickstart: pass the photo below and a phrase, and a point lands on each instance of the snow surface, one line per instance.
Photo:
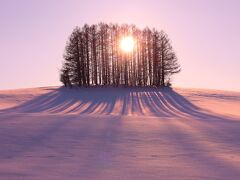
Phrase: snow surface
(119, 133)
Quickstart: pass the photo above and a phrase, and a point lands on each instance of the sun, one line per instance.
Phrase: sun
(127, 44)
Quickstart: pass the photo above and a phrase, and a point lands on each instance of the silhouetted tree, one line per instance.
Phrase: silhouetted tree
(169, 64)
(64, 78)
(72, 58)
(93, 57)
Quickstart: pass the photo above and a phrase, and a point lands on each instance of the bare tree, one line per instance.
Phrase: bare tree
(169, 64)
(93, 57)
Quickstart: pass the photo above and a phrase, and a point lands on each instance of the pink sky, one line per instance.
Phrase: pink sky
(205, 35)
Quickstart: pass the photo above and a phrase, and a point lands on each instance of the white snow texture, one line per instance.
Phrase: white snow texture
(119, 133)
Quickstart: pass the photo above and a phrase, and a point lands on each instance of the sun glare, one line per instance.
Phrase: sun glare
(127, 44)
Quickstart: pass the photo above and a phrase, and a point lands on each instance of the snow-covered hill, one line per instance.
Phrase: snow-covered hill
(119, 133)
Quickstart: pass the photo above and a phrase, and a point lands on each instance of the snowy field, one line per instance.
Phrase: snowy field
(119, 133)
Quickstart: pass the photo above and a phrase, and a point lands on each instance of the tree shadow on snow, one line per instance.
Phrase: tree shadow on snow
(160, 102)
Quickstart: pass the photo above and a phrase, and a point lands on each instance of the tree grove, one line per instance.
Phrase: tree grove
(93, 57)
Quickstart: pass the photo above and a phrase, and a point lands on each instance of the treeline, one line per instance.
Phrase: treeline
(93, 57)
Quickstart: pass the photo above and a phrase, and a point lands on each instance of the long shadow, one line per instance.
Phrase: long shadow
(160, 102)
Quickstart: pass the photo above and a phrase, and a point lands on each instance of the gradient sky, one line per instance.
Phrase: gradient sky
(205, 35)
